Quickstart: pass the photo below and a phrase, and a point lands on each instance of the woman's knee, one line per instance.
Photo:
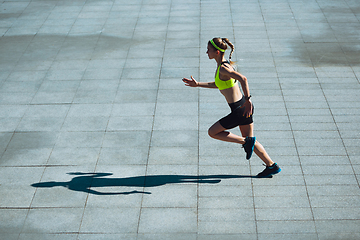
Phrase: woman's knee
(211, 132)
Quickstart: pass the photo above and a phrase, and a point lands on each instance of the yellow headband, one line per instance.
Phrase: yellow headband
(212, 43)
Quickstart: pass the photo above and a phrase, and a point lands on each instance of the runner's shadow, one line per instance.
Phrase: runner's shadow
(84, 182)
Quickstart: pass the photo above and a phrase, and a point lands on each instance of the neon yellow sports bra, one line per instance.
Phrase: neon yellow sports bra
(223, 84)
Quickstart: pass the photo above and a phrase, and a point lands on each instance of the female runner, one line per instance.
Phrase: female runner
(241, 107)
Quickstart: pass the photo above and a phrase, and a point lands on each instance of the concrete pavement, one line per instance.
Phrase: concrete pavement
(100, 139)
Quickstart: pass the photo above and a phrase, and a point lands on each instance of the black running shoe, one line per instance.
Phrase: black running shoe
(249, 146)
(269, 171)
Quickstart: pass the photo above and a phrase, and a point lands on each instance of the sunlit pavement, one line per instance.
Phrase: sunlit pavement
(100, 139)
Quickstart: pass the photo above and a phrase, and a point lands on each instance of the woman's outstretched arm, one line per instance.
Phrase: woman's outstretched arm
(193, 83)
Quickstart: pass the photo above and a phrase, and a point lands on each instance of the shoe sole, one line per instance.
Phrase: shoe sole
(270, 175)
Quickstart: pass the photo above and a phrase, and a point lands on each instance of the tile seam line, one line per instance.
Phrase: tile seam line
(198, 132)
(327, 102)
(322, 90)
(252, 183)
(154, 114)
(30, 102)
(12, 69)
(341, 47)
(87, 195)
(72, 102)
(340, 136)
(288, 116)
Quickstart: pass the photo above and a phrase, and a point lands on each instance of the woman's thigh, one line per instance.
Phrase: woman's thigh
(216, 128)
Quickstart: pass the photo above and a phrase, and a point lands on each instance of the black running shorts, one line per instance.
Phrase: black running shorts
(236, 117)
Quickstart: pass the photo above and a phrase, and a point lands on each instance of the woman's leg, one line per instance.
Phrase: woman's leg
(247, 131)
(218, 132)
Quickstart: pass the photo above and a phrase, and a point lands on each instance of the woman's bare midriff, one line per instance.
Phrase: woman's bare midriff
(232, 94)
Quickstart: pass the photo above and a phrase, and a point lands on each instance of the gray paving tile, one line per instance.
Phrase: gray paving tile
(81, 93)
(227, 227)
(336, 142)
(173, 170)
(245, 236)
(125, 139)
(225, 215)
(12, 220)
(288, 214)
(331, 170)
(144, 84)
(224, 191)
(301, 135)
(180, 220)
(226, 202)
(118, 220)
(232, 175)
(4, 140)
(166, 96)
(47, 236)
(277, 191)
(32, 140)
(18, 197)
(53, 220)
(334, 201)
(89, 110)
(344, 228)
(339, 235)
(25, 157)
(85, 124)
(61, 74)
(287, 228)
(20, 175)
(173, 155)
(16, 98)
(116, 156)
(53, 98)
(80, 139)
(104, 97)
(46, 198)
(331, 179)
(333, 190)
(176, 236)
(172, 138)
(335, 213)
(176, 123)
(129, 123)
(130, 236)
(40, 124)
(133, 109)
(288, 202)
(332, 151)
(171, 196)
(177, 109)
(65, 176)
(219, 160)
(288, 236)
(133, 96)
(73, 156)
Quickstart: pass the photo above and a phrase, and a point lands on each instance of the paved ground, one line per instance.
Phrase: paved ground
(100, 139)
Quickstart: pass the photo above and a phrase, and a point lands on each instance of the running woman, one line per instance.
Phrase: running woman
(241, 106)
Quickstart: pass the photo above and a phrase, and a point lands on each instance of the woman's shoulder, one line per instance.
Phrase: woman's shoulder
(226, 68)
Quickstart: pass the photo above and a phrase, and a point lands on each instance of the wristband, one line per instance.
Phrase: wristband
(247, 98)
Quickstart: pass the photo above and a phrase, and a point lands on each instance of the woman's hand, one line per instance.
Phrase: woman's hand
(248, 108)
(190, 82)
